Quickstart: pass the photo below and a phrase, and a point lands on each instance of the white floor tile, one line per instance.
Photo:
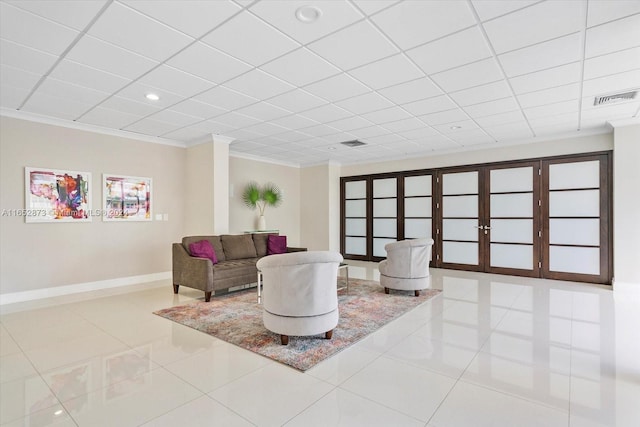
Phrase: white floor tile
(15, 366)
(271, 395)
(339, 368)
(413, 391)
(25, 396)
(54, 416)
(201, 412)
(7, 343)
(470, 337)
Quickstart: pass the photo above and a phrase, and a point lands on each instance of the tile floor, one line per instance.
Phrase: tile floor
(489, 351)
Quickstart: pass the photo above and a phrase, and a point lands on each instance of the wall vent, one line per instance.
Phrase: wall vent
(354, 143)
(617, 97)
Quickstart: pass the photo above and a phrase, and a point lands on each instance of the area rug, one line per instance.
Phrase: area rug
(237, 319)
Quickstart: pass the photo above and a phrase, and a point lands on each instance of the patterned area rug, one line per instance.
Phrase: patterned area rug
(237, 319)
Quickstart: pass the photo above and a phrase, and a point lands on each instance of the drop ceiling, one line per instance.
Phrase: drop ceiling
(408, 78)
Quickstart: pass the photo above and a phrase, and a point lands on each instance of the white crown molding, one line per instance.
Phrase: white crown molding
(32, 117)
(263, 160)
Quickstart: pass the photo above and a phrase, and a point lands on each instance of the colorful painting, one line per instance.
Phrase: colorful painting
(126, 198)
(57, 195)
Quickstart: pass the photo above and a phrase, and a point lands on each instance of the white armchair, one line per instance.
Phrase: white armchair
(407, 265)
(300, 293)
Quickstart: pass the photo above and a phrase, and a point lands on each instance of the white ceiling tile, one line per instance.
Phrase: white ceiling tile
(243, 134)
(431, 105)
(12, 96)
(365, 103)
(263, 111)
(534, 24)
(208, 63)
(443, 117)
(622, 110)
(492, 107)
(387, 72)
(55, 106)
(151, 127)
(138, 91)
(351, 123)
(383, 139)
(556, 76)
(74, 72)
(484, 93)
(266, 128)
(614, 36)
(198, 109)
(404, 125)
(297, 101)
(411, 23)
(461, 126)
(387, 115)
(212, 127)
(129, 106)
(294, 122)
(472, 137)
(478, 73)
(542, 56)
(500, 119)
(319, 130)
(451, 51)
(353, 46)
(550, 96)
(411, 91)
(194, 18)
(73, 92)
(510, 132)
(558, 109)
(25, 58)
(337, 88)
(10, 76)
(33, 31)
(282, 15)
(140, 34)
(369, 132)
(601, 11)
(326, 114)
(613, 63)
(370, 7)
(611, 84)
(175, 118)
(258, 84)
(72, 13)
(291, 136)
(236, 120)
(555, 125)
(225, 98)
(300, 67)
(420, 133)
(176, 81)
(109, 118)
(107, 57)
(186, 135)
(488, 9)
(257, 46)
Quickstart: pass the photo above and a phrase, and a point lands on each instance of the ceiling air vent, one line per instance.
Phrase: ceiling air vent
(618, 97)
(354, 143)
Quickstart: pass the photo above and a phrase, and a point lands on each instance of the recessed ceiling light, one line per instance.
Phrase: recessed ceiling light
(332, 148)
(308, 14)
(455, 127)
(152, 97)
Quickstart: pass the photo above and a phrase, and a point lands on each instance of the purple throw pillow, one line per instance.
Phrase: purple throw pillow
(276, 244)
(203, 249)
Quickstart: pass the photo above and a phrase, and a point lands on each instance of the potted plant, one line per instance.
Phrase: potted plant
(256, 196)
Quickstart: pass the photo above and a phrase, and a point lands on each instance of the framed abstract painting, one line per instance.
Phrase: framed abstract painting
(53, 195)
(126, 198)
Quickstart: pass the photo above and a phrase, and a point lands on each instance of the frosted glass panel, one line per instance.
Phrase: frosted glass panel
(355, 189)
(512, 230)
(574, 175)
(574, 260)
(460, 253)
(385, 207)
(512, 256)
(385, 187)
(460, 206)
(378, 247)
(512, 205)
(385, 227)
(417, 228)
(355, 227)
(355, 245)
(355, 208)
(460, 229)
(574, 231)
(574, 203)
(417, 186)
(417, 206)
(460, 183)
(516, 179)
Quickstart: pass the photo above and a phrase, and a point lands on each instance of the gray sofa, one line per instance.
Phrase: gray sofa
(237, 256)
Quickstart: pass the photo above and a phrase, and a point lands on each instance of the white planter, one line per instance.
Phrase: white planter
(262, 223)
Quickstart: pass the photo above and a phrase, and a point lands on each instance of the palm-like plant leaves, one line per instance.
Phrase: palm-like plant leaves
(269, 195)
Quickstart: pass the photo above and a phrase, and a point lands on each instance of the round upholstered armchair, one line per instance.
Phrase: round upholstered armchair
(407, 265)
(300, 293)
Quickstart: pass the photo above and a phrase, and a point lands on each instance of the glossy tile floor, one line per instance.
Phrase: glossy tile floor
(489, 351)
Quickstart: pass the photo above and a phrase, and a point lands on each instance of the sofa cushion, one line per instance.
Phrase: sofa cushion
(276, 245)
(203, 249)
(260, 241)
(235, 268)
(238, 246)
(214, 240)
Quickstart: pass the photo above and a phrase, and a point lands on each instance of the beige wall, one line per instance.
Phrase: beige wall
(42, 255)
(320, 207)
(199, 182)
(285, 217)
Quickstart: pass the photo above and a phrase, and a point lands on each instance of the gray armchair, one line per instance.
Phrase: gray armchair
(406, 266)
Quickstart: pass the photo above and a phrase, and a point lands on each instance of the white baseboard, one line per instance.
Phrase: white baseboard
(626, 288)
(81, 287)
